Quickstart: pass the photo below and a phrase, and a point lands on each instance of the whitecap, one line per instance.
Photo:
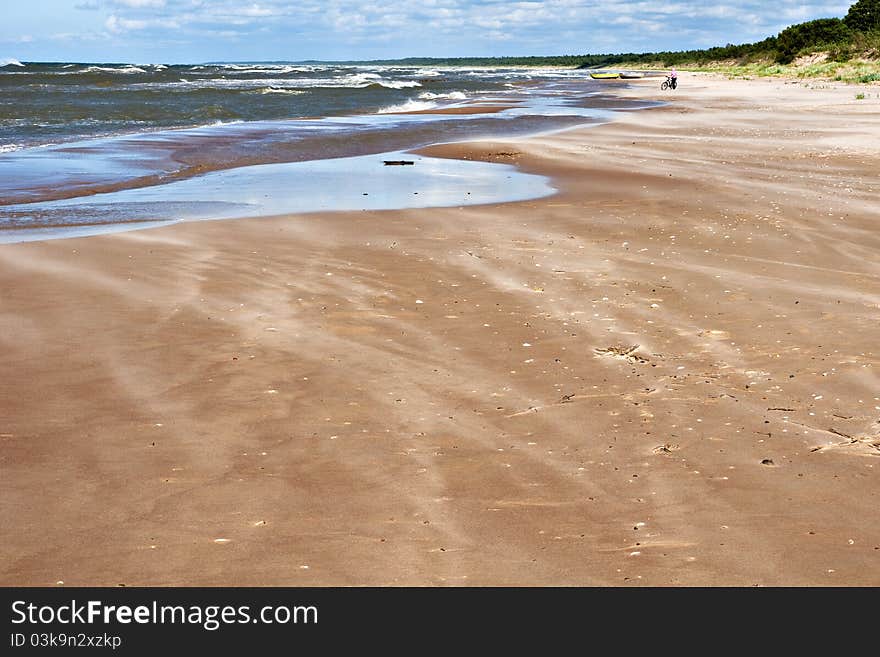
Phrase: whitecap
(409, 106)
(452, 95)
(280, 69)
(398, 84)
(280, 90)
(351, 81)
(113, 69)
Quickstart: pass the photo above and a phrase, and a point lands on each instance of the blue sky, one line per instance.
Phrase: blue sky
(189, 31)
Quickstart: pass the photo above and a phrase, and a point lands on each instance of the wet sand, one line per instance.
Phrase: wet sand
(665, 375)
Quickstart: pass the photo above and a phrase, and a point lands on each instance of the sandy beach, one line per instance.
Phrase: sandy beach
(667, 374)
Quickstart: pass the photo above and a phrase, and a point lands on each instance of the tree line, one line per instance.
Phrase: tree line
(857, 33)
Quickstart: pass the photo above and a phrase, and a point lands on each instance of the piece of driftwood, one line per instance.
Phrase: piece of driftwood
(389, 163)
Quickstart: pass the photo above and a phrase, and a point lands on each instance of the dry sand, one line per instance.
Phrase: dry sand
(665, 375)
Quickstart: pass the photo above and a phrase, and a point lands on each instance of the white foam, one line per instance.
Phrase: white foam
(280, 69)
(409, 106)
(113, 69)
(452, 95)
(348, 81)
(8, 148)
(354, 81)
(10, 62)
(277, 90)
(398, 84)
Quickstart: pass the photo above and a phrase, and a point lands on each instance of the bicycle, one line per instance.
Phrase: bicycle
(670, 83)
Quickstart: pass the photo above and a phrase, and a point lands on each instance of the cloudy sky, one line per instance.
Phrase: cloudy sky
(188, 31)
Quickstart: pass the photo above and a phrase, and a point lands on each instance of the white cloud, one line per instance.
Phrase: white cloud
(257, 11)
(548, 26)
(23, 38)
(117, 25)
(139, 4)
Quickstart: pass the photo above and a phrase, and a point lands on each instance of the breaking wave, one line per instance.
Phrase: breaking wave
(409, 106)
(113, 69)
(280, 90)
(452, 95)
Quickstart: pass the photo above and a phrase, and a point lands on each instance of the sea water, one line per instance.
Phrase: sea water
(86, 146)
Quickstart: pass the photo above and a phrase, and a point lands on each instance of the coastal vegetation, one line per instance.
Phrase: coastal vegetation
(845, 48)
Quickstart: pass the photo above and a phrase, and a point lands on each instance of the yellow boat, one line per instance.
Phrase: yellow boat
(604, 76)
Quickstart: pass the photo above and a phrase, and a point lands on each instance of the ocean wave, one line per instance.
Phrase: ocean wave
(201, 83)
(353, 81)
(113, 69)
(62, 102)
(274, 77)
(409, 106)
(280, 90)
(503, 75)
(219, 113)
(452, 95)
(397, 84)
(281, 69)
(10, 62)
(75, 69)
(8, 148)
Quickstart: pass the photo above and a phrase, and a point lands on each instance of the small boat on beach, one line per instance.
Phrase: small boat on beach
(604, 75)
(631, 75)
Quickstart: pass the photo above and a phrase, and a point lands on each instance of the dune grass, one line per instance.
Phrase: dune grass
(854, 71)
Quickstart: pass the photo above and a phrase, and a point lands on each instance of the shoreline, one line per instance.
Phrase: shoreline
(48, 210)
(82, 168)
(665, 374)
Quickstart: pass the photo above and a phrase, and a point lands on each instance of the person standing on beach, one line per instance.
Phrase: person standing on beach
(673, 78)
